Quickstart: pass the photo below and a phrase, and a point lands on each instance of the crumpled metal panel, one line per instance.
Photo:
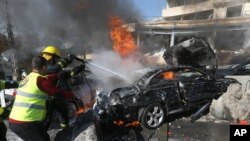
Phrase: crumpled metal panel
(193, 52)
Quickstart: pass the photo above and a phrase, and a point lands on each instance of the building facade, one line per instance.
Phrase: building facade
(205, 9)
(225, 24)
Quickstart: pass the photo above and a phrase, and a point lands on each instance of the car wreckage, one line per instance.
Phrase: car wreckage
(185, 88)
(165, 92)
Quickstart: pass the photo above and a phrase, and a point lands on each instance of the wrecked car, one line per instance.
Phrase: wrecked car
(166, 92)
(185, 88)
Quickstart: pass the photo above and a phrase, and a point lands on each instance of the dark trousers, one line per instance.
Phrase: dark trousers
(3, 131)
(59, 105)
(31, 131)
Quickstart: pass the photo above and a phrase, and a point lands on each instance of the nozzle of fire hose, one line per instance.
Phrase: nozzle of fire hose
(64, 62)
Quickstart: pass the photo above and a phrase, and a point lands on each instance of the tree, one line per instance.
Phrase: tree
(3, 43)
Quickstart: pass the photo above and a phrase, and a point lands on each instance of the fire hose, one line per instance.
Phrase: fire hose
(100, 67)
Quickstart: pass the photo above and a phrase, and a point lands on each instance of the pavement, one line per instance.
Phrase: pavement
(180, 130)
(184, 130)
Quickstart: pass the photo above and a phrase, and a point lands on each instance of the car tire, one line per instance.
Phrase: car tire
(153, 116)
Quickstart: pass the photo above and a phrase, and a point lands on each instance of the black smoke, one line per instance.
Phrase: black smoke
(75, 26)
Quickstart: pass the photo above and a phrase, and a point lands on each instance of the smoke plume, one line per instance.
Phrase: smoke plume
(75, 26)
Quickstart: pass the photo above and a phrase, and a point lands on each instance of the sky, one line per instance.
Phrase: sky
(150, 8)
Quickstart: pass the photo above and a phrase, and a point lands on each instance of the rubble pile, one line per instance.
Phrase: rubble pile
(235, 103)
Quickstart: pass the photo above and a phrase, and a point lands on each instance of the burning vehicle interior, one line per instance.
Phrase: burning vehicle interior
(184, 88)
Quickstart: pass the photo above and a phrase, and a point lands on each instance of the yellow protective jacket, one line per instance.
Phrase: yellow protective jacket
(2, 86)
(30, 101)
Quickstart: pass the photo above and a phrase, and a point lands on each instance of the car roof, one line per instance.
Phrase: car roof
(171, 68)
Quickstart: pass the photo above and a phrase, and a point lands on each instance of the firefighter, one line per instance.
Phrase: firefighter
(54, 61)
(29, 108)
(4, 112)
(55, 64)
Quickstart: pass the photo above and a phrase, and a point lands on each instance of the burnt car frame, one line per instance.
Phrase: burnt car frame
(154, 99)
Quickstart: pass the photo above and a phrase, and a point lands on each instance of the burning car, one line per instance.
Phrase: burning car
(164, 94)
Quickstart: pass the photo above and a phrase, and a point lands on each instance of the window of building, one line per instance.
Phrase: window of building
(204, 15)
(194, 16)
(174, 3)
(234, 11)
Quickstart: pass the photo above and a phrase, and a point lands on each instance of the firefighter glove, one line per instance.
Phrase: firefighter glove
(66, 61)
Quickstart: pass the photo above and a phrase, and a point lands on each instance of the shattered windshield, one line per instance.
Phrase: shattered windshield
(142, 81)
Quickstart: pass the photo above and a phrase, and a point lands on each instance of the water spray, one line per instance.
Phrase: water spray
(107, 70)
(100, 67)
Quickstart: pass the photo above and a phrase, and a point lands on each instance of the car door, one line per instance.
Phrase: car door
(164, 85)
(196, 85)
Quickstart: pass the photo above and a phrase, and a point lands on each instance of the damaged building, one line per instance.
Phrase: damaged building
(224, 24)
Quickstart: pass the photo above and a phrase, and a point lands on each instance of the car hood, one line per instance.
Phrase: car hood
(123, 92)
(193, 52)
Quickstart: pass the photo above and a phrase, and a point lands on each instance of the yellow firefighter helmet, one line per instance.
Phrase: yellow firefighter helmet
(49, 51)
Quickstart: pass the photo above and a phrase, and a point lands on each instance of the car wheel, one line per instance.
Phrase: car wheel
(153, 116)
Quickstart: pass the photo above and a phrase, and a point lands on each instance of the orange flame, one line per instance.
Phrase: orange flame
(85, 107)
(123, 123)
(169, 75)
(123, 41)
